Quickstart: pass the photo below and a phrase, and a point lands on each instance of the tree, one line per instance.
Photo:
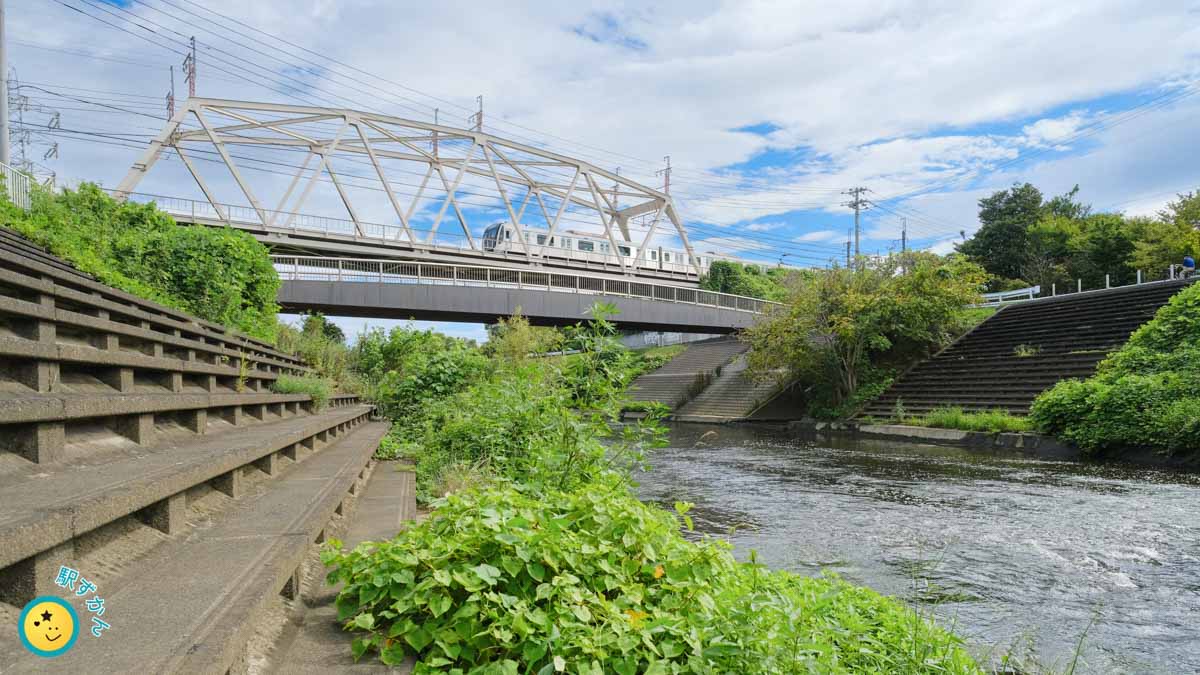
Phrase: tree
(316, 324)
(746, 280)
(834, 321)
(1001, 243)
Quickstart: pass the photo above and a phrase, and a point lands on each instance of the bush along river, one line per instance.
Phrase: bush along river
(1046, 562)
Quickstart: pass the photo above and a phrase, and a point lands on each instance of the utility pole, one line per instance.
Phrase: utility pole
(904, 235)
(847, 249)
(5, 150)
(616, 186)
(189, 68)
(858, 204)
(171, 96)
(666, 174)
(476, 120)
(435, 133)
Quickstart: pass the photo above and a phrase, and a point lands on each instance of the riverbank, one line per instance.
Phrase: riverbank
(1029, 444)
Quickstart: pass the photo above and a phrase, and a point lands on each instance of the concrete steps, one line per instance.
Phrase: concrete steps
(732, 395)
(144, 449)
(688, 373)
(1068, 335)
(192, 602)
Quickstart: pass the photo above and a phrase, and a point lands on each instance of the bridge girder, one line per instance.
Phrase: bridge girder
(446, 152)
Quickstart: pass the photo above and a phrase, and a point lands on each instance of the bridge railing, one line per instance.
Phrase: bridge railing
(310, 268)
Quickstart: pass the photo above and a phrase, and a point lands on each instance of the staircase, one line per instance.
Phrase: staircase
(143, 448)
(732, 395)
(1024, 349)
(684, 376)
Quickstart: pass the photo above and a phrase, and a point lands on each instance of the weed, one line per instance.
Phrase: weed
(994, 421)
(1024, 351)
(318, 389)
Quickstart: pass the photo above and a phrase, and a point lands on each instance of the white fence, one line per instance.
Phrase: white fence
(16, 185)
(304, 268)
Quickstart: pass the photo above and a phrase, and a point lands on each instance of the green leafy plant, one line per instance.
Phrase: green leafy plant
(1024, 351)
(1145, 395)
(594, 581)
(219, 274)
(316, 388)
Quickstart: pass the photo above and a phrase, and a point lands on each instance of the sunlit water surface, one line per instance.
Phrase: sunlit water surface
(1021, 556)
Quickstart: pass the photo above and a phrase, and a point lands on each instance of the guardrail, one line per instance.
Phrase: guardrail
(311, 268)
(236, 215)
(17, 186)
(1037, 293)
(1002, 297)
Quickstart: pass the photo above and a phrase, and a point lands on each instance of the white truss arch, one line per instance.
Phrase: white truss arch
(530, 182)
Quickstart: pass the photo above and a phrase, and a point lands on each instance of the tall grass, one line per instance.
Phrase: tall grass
(317, 388)
(995, 420)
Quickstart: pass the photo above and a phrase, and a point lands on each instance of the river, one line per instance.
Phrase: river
(1020, 556)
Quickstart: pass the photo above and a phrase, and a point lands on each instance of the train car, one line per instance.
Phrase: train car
(588, 247)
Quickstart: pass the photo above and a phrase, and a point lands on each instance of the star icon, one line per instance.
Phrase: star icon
(46, 616)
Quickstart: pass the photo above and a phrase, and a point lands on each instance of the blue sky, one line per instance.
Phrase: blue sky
(768, 110)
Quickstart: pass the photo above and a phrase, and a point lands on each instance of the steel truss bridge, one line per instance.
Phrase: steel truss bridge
(528, 186)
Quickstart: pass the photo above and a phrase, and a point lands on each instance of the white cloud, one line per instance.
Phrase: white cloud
(630, 83)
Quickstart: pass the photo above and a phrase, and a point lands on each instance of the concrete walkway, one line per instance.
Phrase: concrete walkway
(316, 643)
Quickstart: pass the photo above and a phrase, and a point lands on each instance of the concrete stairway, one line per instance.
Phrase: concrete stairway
(732, 395)
(688, 373)
(143, 448)
(1065, 337)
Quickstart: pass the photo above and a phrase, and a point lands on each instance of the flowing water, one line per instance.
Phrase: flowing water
(1020, 556)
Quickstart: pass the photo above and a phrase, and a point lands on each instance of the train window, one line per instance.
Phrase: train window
(508, 235)
(541, 240)
(624, 251)
(654, 255)
(666, 256)
(566, 242)
(604, 247)
(586, 246)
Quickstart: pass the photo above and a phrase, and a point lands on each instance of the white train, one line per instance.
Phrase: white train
(575, 245)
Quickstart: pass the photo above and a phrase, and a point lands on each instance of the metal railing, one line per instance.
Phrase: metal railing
(235, 215)
(17, 186)
(1034, 293)
(311, 268)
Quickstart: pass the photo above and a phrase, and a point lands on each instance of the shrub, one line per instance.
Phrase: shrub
(218, 274)
(1146, 395)
(594, 581)
(317, 388)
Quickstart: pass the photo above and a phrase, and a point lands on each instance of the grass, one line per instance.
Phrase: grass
(1024, 351)
(317, 388)
(994, 421)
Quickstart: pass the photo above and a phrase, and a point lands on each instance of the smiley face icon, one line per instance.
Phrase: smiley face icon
(48, 626)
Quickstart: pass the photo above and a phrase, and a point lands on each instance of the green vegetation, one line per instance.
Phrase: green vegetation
(1024, 351)
(1145, 395)
(748, 280)
(317, 388)
(502, 580)
(994, 421)
(218, 274)
(537, 559)
(322, 346)
(1025, 240)
(843, 333)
